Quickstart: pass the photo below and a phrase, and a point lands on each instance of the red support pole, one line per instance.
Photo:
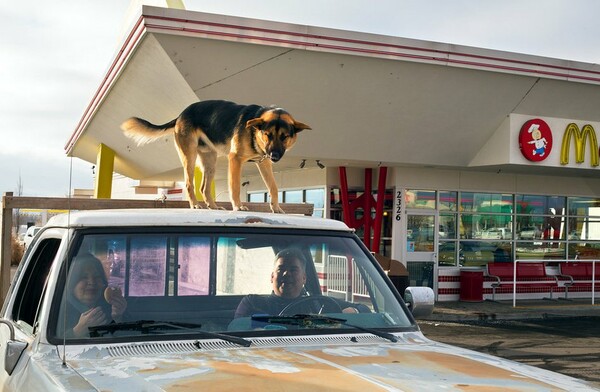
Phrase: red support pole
(379, 209)
(344, 196)
(367, 207)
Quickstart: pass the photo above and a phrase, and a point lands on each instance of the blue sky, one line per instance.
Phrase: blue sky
(54, 54)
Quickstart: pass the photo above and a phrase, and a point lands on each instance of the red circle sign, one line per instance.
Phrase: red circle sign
(535, 140)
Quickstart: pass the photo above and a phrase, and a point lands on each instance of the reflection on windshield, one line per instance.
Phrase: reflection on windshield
(181, 283)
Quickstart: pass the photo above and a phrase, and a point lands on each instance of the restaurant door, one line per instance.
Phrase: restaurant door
(421, 245)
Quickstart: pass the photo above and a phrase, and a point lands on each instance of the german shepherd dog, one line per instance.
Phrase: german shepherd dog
(208, 129)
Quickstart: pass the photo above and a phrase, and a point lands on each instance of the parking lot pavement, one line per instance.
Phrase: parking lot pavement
(569, 345)
(504, 310)
(561, 336)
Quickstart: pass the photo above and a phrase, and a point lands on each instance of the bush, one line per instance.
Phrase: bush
(16, 251)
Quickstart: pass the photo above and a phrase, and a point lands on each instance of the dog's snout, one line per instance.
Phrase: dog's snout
(276, 156)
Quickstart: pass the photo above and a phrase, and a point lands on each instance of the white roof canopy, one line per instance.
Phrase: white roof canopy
(369, 98)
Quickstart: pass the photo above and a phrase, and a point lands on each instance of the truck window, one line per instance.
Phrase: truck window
(29, 296)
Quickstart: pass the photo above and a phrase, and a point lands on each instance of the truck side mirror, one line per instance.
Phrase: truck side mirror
(420, 301)
(14, 349)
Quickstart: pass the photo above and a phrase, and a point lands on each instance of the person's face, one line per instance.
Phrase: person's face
(90, 286)
(288, 278)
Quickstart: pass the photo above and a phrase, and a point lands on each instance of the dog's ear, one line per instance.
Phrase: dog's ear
(300, 126)
(255, 123)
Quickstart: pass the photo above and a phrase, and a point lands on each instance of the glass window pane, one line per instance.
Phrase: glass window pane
(148, 255)
(293, 196)
(486, 226)
(585, 250)
(316, 197)
(448, 201)
(583, 206)
(486, 202)
(237, 263)
(447, 254)
(115, 257)
(474, 253)
(420, 199)
(194, 266)
(447, 228)
(420, 232)
(256, 197)
(479, 253)
(585, 228)
(540, 250)
(497, 233)
(535, 204)
(531, 228)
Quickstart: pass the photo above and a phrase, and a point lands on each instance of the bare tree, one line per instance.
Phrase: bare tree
(16, 211)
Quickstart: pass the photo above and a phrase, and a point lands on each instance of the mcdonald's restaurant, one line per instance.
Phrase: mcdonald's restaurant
(443, 157)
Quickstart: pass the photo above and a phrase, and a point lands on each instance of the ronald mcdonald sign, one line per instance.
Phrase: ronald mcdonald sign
(536, 141)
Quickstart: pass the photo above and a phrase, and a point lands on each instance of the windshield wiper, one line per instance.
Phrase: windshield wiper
(145, 326)
(318, 321)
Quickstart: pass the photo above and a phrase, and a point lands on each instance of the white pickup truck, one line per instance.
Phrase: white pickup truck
(173, 300)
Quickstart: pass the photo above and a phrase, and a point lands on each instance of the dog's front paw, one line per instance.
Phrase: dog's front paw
(198, 206)
(276, 209)
(240, 208)
(213, 206)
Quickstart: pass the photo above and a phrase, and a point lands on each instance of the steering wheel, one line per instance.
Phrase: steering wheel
(323, 300)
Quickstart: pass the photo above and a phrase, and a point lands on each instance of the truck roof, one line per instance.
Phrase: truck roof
(190, 217)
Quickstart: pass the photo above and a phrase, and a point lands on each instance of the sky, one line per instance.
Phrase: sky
(54, 55)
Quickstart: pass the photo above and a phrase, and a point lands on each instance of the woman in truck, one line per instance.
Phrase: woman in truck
(90, 302)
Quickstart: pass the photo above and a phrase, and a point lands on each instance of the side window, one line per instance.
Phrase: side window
(33, 284)
(147, 268)
(243, 270)
(193, 266)
(149, 265)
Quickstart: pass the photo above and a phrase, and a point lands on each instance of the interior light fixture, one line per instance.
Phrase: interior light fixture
(321, 166)
(302, 164)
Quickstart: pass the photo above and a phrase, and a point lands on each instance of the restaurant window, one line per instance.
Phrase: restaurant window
(485, 215)
(421, 199)
(540, 227)
(258, 197)
(335, 212)
(315, 196)
(583, 227)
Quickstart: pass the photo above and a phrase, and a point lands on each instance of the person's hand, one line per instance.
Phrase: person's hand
(114, 297)
(90, 318)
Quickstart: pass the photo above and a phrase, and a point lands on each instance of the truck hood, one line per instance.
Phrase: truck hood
(332, 363)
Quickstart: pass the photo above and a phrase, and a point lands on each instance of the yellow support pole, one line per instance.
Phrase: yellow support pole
(104, 168)
(177, 4)
(198, 182)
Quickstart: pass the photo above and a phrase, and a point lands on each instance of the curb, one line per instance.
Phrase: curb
(499, 316)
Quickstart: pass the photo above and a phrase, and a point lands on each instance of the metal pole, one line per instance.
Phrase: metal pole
(593, 281)
(515, 283)
(367, 207)
(5, 247)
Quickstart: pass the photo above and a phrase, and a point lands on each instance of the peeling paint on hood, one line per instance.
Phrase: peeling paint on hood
(415, 364)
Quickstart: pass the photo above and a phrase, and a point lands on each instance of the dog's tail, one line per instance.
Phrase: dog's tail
(144, 132)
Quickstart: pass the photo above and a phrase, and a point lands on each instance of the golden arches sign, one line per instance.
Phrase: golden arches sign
(580, 136)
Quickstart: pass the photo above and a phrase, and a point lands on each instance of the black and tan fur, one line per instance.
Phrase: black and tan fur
(208, 129)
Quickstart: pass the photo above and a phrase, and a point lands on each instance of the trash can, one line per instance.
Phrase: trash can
(471, 284)
(396, 271)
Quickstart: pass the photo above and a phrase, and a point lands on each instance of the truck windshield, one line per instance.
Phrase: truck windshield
(206, 284)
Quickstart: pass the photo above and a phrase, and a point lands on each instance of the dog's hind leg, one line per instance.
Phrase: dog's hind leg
(187, 155)
(266, 172)
(234, 178)
(208, 163)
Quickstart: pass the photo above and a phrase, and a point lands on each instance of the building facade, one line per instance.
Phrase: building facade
(482, 156)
